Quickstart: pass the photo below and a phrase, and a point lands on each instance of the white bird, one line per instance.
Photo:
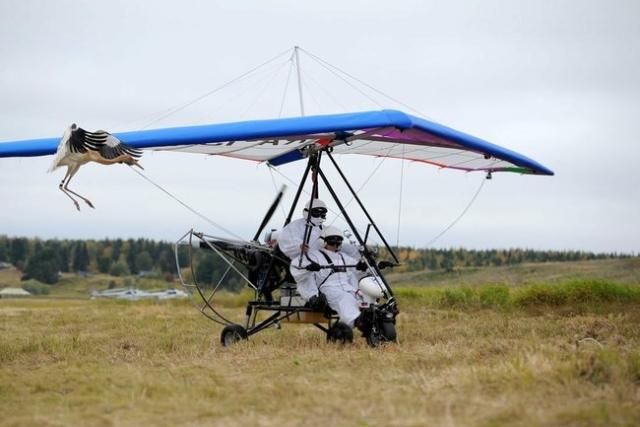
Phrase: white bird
(79, 146)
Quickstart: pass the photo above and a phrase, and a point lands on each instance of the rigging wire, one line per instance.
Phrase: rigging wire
(400, 197)
(313, 98)
(276, 188)
(239, 97)
(267, 84)
(335, 71)
(337, 214)
(309, 76)
(459, 217)
(181, 107)
(286, 87)
(330, 67)
(366, 181)
(197, 213)
(322, 61)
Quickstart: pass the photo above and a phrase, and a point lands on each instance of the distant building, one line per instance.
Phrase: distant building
(13, 293)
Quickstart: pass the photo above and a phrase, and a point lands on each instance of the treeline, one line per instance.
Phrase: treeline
(43, 260)
(450, 259)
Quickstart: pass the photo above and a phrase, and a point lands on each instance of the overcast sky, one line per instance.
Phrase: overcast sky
(558, 81)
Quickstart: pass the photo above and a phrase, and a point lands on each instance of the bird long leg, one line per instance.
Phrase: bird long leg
(61, 187)
(67, 189)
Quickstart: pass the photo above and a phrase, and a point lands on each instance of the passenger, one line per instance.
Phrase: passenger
(271, 238)
(337, 285)
(291, 243)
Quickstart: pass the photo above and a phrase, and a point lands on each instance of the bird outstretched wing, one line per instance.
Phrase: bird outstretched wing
(101, 141)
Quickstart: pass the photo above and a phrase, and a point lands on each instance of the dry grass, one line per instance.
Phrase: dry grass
(103, 363)
(625, 270)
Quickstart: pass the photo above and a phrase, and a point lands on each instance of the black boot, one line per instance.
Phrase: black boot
(364, 322)
(340, 333)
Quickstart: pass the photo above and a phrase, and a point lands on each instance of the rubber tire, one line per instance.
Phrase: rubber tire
(389, 331)
(340, 333)
(232, 334)
(374, 339)
(383, 333)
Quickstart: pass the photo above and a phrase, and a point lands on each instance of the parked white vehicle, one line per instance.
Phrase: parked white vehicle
(169, 294)
(134, 294)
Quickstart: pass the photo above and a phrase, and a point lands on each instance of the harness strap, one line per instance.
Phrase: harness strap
(333, 270)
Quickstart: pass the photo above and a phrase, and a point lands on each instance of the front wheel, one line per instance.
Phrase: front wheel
(388, 330)
(231, 334)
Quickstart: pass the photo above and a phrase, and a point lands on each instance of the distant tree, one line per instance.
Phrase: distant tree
(119, 269)
(4, 249)
(166, 261)
(144, 261)
(18, 251)
(43, 266)
(205, 270)
(183, 258)
(447, 262)
(131, 255)
(64, 256)
(210, 270)
(103, 257)
(103, 263)
(116, 249)
(433, 262)
(81, 257)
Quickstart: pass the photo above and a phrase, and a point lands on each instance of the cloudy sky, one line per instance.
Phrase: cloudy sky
(558, 81)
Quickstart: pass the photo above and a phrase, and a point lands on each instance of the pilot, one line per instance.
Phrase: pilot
(291, 242)
(337, 283)
(291, 237)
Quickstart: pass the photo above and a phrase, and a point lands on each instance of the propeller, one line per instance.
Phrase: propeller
(269, 213)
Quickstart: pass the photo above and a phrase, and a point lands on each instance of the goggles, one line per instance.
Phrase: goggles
(334, 240)
(319, 213)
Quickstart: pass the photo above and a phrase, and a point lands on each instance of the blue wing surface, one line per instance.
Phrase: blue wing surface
(385, 133)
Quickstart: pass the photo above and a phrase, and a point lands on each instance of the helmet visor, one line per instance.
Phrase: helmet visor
(319, 213)
(333, 240)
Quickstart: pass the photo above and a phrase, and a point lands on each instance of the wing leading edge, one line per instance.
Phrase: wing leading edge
(386, 133)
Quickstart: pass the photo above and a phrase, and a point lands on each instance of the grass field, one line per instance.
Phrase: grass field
(617, 270)
(556, 353)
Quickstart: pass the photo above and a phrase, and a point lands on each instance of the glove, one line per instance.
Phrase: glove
(384, 264)
(317, 302)
(314, 266)
(361, 266)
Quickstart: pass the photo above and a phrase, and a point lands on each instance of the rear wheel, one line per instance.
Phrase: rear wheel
(231, 334)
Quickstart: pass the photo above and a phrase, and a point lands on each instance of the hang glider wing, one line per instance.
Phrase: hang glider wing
(386, 133)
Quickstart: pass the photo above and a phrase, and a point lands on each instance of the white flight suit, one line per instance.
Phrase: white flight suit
(290, 240)
(339, 286)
